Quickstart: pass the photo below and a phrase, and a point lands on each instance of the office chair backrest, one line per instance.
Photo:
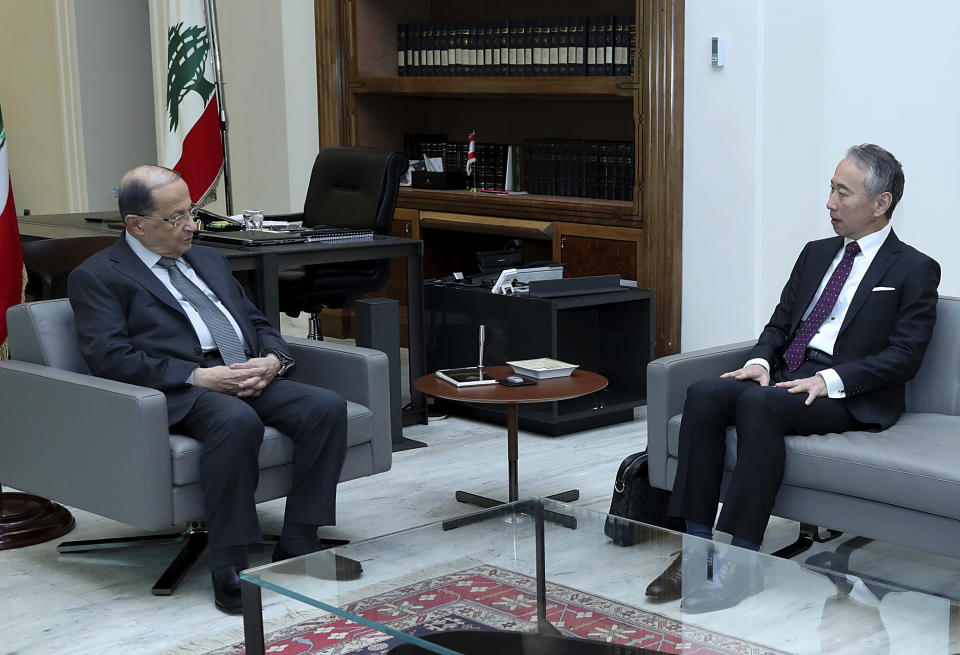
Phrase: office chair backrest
(43, 333)
(936, 388)
(354, 186)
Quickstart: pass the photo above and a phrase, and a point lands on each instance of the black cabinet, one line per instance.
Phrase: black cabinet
(608, 333)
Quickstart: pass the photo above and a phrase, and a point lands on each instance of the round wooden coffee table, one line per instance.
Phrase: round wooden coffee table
(579, 383)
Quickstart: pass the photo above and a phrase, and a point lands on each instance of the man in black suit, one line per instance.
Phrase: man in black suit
(851, 327)
(157, 311)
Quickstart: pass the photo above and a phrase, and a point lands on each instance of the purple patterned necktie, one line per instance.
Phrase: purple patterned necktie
(798, 347)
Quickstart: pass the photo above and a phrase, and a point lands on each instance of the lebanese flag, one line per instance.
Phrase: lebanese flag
(187, 112)
(11, 258)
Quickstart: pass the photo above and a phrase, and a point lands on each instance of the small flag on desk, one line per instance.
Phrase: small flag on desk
(472, 153)
(12, 274)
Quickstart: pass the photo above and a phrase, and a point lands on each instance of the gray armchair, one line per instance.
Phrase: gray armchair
(105, 447)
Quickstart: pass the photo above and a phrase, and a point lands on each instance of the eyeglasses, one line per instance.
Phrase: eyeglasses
(179, 219)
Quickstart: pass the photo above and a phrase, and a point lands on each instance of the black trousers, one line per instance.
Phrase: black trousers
(231, 430)
(762, 416)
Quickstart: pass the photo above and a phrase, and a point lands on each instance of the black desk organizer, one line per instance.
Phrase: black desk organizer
(608, 333)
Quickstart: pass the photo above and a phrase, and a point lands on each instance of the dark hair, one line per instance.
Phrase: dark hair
(135, 194)
(884, 172)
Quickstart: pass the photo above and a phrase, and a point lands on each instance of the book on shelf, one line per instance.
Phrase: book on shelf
(468, 376)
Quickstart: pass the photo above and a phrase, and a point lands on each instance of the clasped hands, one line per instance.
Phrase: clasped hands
(814, 386)
(243, 380)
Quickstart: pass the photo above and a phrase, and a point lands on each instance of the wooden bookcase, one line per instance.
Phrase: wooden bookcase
(362, 101)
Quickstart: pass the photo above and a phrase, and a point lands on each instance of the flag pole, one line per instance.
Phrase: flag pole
(211, 12)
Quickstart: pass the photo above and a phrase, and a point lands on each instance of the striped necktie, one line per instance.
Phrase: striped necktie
(231, 350)
(798, 347)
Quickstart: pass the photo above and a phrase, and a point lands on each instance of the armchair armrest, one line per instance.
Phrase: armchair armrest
(667, 382)
(360, 375)
(95, 444)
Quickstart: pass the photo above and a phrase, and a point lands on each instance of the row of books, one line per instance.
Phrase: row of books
(594, 45)
(489, 172)
(578, 168)
(554, 167)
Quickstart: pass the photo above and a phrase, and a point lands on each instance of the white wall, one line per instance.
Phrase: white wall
(116, 91)
(762, 136)
(268, 54)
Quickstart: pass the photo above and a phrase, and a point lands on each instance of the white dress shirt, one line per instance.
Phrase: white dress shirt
(826, 337)
(151, 260)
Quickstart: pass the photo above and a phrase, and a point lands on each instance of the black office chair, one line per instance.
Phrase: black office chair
(349, 186)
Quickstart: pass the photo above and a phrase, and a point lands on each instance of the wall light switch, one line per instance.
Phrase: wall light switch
(718, 52)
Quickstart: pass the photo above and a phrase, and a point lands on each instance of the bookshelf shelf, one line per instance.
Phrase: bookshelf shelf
(557, 208)
(599, 88)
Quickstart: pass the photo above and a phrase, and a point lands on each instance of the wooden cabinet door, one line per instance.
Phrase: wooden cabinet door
(599, 250)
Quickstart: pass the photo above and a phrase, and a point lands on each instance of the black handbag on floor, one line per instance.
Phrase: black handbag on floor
(635, 499)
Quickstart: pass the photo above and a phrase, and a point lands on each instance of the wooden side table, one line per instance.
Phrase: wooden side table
(579, 383)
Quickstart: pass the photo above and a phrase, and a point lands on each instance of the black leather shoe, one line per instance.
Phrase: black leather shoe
(668, 585)
(732, 582)
(344, 568)
(690, 563)
(226, 589)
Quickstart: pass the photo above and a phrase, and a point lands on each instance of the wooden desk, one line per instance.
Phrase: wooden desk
(265, 261)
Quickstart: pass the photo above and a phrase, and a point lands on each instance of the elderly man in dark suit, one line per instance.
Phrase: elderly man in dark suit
(157, 311)
(851, 327)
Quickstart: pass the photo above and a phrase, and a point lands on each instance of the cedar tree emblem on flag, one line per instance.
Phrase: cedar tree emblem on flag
(186, 60)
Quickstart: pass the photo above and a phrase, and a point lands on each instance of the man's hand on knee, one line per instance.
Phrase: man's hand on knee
(815, 387)
(751, 372)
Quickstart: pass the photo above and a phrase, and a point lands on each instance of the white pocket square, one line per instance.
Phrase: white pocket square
(884, 288)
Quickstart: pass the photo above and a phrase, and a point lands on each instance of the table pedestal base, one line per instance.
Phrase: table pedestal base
(26, 520)
(487, 503)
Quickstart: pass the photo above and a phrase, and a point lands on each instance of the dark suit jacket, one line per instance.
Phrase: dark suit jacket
(884, 334)
(132, 329)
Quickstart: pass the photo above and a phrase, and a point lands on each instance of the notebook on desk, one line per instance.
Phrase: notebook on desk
(264, 238)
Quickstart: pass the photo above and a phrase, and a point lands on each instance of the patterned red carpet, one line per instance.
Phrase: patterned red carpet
(495, 598)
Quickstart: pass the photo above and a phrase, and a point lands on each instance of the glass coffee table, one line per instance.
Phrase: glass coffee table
(509, 581)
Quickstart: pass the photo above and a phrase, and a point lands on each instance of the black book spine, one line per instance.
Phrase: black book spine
(503, 43)
(491, 48)
(401, 49)
(563, 50)
(439, 49)
(591, 168)
(632, 54)
(427, 61)
(591, 52)
(621, 60)
(422, 51)
(580, 47)
(553, 45)
(608, 44)
(528, 47)
(513, 49)
(451, 45)
(568, 36)
(479, 43)
(537, 49)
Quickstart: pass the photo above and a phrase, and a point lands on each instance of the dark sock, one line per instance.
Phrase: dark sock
(298, 538)
(740, 542)
(227, 556)
(699, 530)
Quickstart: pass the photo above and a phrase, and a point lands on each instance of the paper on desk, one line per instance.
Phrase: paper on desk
(434, 164)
